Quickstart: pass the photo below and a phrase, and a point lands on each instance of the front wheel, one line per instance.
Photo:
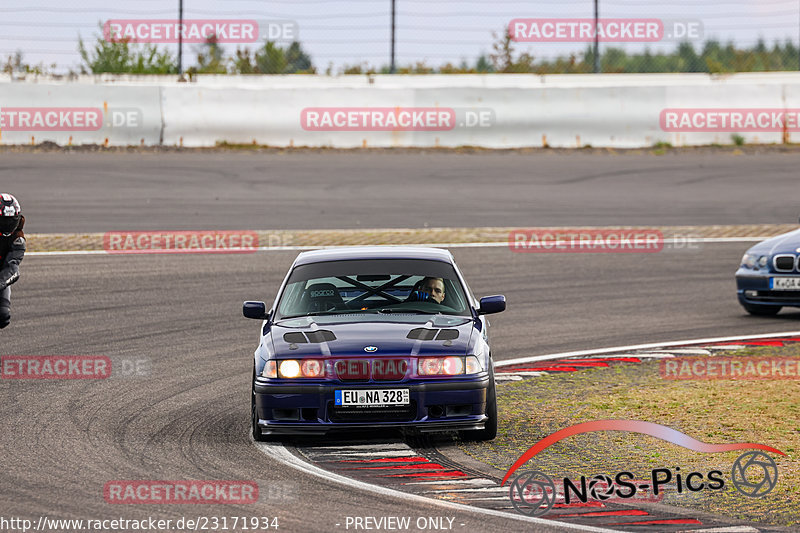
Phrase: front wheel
(256, 431)
(762, 310)
(489, 430)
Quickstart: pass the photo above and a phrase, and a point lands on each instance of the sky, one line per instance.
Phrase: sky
(357, 32)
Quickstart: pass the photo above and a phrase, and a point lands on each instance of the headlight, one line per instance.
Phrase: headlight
(289, 368)
(452, 366)
(270, 370)
(312, 368)
(473, 365)
(429, 366)
(307, 368)
(447, 366)
(754, 261)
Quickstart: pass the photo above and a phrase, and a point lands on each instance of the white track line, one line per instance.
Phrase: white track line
(724, 529)
(281, 454)
(69, 252)
(433, 244)
(599, 351)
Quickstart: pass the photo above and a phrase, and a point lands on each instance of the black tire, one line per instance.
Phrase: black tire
(489, 430)
(254, 429)
(762, 310)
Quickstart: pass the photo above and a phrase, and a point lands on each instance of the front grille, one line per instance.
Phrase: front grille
(377, 369)
(784, 263)
(387, 369)
(394, 413)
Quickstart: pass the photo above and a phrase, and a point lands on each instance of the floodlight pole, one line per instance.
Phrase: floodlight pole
(596, 38)
(180, 39)
(392, 66)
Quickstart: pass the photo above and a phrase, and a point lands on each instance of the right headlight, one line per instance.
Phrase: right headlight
(754, 261)
(270, 369)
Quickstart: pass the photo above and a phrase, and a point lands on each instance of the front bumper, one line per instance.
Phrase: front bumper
(752, 288)
(308, 409)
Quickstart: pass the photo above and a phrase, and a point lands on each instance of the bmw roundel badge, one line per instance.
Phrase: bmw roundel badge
(370, 349)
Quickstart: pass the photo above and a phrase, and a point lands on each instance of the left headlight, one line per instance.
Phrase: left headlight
(473, 365)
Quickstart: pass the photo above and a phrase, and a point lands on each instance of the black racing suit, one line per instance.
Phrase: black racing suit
(12, 250)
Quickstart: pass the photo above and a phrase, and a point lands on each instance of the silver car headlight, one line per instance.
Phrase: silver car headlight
(754, 261)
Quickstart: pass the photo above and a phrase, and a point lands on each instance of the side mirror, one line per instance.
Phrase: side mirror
(492, 304)
(257, 310)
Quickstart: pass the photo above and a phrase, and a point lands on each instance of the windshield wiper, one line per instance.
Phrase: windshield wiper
(320, 313)
(407, 311)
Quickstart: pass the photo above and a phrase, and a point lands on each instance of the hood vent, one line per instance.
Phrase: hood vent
(425, 334)
(298, 337)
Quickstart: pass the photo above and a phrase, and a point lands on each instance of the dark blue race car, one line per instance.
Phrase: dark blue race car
(769, 275)
(371, 338)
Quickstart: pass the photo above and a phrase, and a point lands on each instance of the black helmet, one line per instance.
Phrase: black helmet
(10, 213)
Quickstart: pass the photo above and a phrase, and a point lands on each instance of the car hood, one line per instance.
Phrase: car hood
(388, 338)
(786, 243)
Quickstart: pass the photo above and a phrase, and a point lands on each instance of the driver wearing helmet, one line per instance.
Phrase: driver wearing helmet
(12, 249)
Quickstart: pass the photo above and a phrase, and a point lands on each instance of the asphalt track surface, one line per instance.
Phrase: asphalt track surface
(61, 441)
(97, 192)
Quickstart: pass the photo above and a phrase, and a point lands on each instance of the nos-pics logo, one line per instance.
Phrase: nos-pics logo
(534, 493)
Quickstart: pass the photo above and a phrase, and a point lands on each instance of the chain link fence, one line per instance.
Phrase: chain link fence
(403, 36)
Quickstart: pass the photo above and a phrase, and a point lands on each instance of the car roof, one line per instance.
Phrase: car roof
(373, 252)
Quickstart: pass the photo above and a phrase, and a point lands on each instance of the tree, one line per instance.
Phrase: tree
(483, 64)
(271, 59)
(210, 58)
(243, 63)
(689, 60)
(503, 57)
(122, 57)
(298, 60)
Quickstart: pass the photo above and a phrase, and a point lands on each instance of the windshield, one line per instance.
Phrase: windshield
(387, 286)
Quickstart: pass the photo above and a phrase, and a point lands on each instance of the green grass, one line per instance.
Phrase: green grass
(765, 412)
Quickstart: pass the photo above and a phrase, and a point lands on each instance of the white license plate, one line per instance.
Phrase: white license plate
(370, 398)
(784, 284)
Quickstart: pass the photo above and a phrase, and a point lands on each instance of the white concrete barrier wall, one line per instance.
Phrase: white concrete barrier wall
(619, 111)
(75, 114)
